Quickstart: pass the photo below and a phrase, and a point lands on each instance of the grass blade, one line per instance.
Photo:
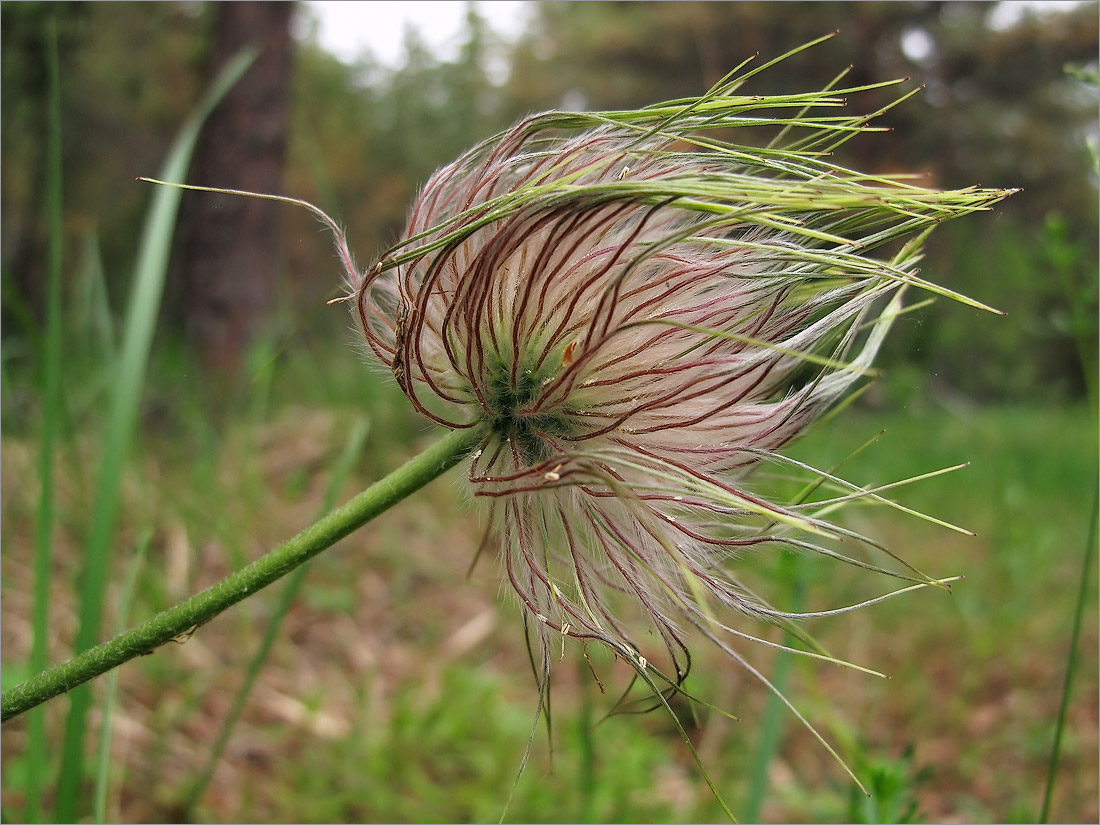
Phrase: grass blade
(52, 414)
(771, 725)
(111, 694)
(1071, 664)
(93, 322)
(141, 317)
(340, 473)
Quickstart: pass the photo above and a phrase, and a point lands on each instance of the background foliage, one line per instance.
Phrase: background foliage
(998, 109)
(403, 684)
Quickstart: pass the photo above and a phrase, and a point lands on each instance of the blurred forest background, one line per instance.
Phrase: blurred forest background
(999, 109)
(252, 390)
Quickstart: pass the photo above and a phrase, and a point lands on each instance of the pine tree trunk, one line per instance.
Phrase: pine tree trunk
(232, 245)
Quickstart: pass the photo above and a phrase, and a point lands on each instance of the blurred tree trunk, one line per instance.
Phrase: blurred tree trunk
(231, 245)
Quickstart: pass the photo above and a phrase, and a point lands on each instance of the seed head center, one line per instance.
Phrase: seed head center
(510, 395)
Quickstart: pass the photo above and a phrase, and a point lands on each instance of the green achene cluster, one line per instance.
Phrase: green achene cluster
(506, 396)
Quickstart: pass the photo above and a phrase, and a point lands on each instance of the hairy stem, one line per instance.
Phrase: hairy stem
(181, 620)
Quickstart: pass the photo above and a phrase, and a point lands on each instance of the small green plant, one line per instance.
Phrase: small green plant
(891, 784)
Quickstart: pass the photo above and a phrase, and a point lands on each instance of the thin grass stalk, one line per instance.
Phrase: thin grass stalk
(289, 592)
(52, 414)
(1091, 387)
(1071, 663)
(93, 307)
(110, 699)
(180, 622)
(791, 567)
(585, 729)
(141, 318)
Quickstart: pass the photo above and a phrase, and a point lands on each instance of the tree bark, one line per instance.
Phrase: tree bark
(231, 245)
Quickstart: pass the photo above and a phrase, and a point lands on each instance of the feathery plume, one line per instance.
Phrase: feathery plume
(639, 312)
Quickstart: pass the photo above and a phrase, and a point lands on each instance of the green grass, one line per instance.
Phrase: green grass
(287, 595)
(127, 378)
(398, 690)
(37, 765)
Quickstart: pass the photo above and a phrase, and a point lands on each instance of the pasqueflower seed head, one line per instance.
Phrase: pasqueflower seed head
(638, 311)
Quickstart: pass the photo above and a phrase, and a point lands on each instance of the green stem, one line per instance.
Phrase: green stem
(286, 598)
(791, 568)
(181, 620)
(1071, 665)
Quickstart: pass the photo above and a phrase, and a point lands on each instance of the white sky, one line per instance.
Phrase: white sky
(1010, 12)
(346, 28)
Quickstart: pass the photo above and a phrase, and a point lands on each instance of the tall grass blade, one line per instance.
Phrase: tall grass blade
(92, 317)
(103, 766)
(340, 473)
(1086, 349)
(771, 725)
(52, 415)
(141, 316)
(585, 733)
(1071, 664)
(91, 345)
